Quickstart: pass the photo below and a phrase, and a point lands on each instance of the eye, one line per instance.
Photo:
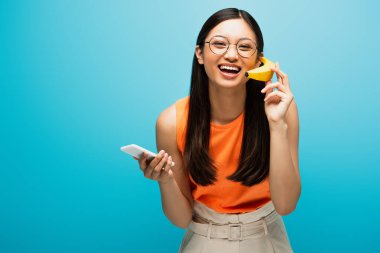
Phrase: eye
(219, 44)
(245, 47)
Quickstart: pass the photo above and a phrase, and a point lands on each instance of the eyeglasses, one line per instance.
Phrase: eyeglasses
(219, 45)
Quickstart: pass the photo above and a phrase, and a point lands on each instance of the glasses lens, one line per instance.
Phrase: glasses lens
(218, 45)
(246, 47)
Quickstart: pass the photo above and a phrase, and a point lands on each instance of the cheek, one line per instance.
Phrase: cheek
(251, 64)
(210, 64)
(210, 70)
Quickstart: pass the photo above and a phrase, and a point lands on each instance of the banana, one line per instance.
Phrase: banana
(262, 73)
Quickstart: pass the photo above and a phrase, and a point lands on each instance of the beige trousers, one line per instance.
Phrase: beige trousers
(260, 231)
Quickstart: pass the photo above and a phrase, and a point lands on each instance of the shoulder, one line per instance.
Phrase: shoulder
(166, 130)
(166, 121)
(168, 118)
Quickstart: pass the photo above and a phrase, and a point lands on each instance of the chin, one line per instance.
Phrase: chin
(230, 83)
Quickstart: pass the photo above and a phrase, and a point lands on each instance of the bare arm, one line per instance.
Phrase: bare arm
(177, 201)
(285, 183)
(281, 110)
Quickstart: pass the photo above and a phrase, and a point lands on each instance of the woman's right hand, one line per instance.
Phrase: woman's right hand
(157, 168)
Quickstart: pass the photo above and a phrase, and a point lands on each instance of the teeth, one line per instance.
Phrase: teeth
(229, 68)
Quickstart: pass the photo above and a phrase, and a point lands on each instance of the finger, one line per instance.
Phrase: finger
(267, 84)
(166, 172)
(275, 94)
(278, 85)
(169, 164)
(157, 170)
(152, 164)
(275, 69)
(142, 161)
(283, 75)
(167, 176)
(157, 159)
(274, 100)
(166, 169)
(279, 77)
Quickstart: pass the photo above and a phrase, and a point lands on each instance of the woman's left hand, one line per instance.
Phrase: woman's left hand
(277, 102)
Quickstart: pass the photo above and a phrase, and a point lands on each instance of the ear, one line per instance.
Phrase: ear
(198, 53)
(258, 63)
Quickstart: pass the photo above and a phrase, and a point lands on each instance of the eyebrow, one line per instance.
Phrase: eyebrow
(239, 39)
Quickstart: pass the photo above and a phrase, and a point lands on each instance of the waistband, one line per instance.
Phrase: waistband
(207, 214)
(233, 226)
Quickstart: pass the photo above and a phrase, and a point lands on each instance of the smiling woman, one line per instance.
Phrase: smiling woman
(234, 143)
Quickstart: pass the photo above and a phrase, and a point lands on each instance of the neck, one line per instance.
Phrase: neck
(226, 103)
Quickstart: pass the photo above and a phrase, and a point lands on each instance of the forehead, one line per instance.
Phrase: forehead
(233, 29)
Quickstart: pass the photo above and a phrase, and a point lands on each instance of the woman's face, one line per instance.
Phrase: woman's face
(215, 64)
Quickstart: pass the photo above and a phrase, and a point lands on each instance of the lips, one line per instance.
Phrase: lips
(229, 71)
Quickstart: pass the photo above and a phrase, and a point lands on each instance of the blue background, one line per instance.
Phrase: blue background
(80, 79)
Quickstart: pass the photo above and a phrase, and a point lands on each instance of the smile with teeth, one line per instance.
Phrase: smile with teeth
(229, 69)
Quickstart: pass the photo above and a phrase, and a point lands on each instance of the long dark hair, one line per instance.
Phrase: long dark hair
(254, 155)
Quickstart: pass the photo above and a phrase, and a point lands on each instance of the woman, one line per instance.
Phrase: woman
(234, 142)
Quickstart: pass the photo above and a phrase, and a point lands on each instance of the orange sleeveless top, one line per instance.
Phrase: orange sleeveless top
(224, 196)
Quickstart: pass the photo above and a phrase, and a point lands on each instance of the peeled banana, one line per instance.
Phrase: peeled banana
(263, 73)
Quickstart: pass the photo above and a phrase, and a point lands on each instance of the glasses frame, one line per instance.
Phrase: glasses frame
(228, 46)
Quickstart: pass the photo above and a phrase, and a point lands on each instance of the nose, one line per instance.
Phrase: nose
(232, 53)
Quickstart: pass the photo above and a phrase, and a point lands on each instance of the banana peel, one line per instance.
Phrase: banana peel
(263, 73)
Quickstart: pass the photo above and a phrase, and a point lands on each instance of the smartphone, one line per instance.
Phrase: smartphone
(137, 151)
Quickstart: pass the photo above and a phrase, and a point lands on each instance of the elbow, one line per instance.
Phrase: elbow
(285, 209)
(181, 221)
(182, 224)
(287, 206)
